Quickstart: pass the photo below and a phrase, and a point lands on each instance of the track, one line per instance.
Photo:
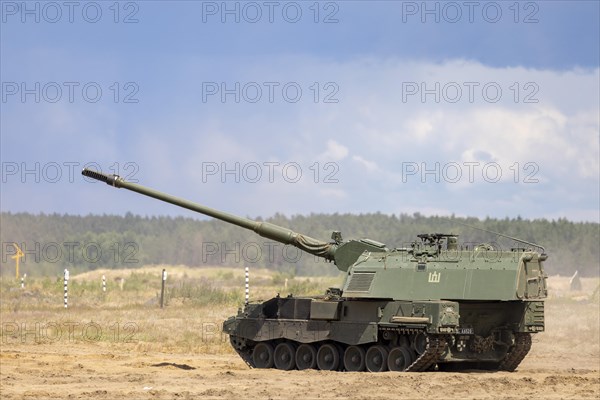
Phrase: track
(517, 353)
(436, 345)
(241, 347)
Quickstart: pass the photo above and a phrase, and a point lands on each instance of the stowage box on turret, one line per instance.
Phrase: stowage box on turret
(436, 304)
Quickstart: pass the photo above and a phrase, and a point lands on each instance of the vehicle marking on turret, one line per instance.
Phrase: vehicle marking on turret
(434, 277)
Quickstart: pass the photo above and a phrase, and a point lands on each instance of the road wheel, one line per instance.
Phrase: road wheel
(376, 359)
(263, 355)
(328, 357)
(285, 356)
(354, 359)
(420, 343)
(306, 356)
(399, 359)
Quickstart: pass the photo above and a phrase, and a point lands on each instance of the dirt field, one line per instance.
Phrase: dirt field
(141, 352)
(90, 371)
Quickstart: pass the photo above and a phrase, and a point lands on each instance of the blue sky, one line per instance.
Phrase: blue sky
(477, 109)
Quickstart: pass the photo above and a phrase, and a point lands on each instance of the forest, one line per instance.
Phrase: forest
(51, 243)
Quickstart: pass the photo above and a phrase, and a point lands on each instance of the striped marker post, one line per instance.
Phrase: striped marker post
(247, 285)
(66, 281)
(23, 281)
(103, 283)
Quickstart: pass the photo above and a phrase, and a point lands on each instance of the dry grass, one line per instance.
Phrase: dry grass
(199, 300)
(572, 317)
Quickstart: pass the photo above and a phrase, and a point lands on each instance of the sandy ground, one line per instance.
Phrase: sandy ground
(168, 357)
(93, 370)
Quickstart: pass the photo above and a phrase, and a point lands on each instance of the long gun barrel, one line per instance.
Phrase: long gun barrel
(264, 229)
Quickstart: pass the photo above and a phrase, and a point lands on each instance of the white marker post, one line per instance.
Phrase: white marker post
(66, 281)
(23, 281)
(103, 283)
(162, 288)
(247, 285)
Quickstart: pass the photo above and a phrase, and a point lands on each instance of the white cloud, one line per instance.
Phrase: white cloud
(375, 127)
(370, 166)
(333, 194)
(334, 151)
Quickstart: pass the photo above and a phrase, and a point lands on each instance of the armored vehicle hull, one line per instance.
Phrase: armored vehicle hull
(449, 322)
(290, 333)
(437, 304)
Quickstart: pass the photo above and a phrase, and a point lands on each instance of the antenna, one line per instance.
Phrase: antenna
(503, 235)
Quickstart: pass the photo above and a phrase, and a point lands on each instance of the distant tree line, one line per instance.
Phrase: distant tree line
(54, 242)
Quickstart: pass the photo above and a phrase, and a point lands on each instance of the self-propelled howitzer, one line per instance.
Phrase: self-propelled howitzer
(436, 303)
